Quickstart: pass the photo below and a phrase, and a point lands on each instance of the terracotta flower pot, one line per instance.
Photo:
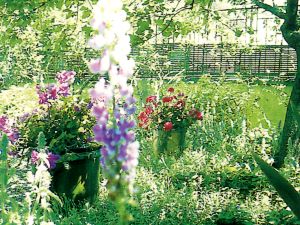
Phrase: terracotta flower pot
(76, 176)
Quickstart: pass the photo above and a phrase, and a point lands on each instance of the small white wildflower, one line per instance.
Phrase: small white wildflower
(47, 223)
(28, 198)
(30, 177)
(30, 220)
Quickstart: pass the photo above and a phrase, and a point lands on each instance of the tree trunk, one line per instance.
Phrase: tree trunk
(292, 119)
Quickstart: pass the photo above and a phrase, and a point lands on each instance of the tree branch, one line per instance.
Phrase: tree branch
(291, 14)
(272, 9)
(174, 13)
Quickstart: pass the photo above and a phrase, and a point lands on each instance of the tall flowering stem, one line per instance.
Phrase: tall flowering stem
(113, 101)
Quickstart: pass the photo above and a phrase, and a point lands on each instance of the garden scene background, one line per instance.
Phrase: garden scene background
(224, 75)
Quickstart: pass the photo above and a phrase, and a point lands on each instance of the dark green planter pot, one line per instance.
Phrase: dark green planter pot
(170, 142)
(76, 176)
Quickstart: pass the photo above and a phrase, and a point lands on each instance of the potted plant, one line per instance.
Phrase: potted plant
(66, 121)
(170, 116)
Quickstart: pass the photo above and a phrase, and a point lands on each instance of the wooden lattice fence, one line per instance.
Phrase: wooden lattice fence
(266, 62)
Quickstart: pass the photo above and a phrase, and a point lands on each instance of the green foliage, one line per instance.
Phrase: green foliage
(40, 37)
(41, 141)
(282, 186)
(18, 100)
(66, 123)
(3, 162)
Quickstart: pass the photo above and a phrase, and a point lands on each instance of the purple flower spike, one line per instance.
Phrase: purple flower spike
(90, 105)
(113, 127)
(52, 158)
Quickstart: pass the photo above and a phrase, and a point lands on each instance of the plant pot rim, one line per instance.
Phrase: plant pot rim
(73, 156)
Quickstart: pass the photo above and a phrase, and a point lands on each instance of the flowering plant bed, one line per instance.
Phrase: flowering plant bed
(172, 111)
(64, 118)
(170, 115)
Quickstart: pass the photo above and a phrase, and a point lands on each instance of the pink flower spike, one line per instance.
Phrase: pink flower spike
(34, 157)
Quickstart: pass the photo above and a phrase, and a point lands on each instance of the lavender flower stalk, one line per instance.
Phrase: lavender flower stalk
(114, 102)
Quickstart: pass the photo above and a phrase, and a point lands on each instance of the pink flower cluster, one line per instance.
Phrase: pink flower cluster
(65, 79)
(53, 91)
(6, 127)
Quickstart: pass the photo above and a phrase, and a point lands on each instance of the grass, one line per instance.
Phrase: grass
(267, 103)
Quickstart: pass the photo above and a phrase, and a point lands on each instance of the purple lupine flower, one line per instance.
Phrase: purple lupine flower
(90, 139)
(102, 92)
(77, 108)
(13, 154)
(100, 113)
(52, 158)
(13, 135)
(131, 157)
(90, 105)
(114, 127)
(94, 65)
(24, 117)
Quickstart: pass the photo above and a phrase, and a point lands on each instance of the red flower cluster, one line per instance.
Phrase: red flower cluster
(168, 126)
(167, 99)
(143, 119)
(151, 98)
(196, 114)
(168, 113)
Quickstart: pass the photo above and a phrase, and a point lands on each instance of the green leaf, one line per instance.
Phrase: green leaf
(250, 30)
(3, 163)
(59, 4)
(3, 147)
(86, 12)
(142, 26)
(41, 141)
(238, 32)
(159, 22)
(135, 40)
(282, 186)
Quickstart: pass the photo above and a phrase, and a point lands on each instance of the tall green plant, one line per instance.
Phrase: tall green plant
(282, 186)
(3, 168)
